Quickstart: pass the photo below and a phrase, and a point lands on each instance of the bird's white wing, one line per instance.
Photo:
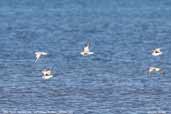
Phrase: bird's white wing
(44, 53)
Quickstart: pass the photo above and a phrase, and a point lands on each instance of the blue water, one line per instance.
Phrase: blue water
(113, 81)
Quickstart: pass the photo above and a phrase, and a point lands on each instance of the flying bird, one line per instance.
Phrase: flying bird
(157, 52)
(155, 70)
(86, 50)
(39, 55)
(47, 74)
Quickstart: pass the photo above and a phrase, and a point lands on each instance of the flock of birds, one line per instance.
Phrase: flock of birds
(156, 52)
(48, 73)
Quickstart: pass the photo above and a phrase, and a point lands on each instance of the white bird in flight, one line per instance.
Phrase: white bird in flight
(157, 52)
(39, 54)
(47, 74)
(86, 50)
(155, 70)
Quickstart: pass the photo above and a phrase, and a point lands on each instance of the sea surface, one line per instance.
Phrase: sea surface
(112, 81)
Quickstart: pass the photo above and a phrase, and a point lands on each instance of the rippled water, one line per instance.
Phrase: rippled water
(113, 81)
